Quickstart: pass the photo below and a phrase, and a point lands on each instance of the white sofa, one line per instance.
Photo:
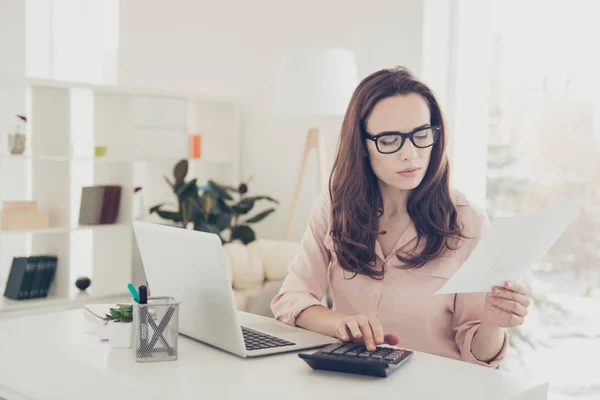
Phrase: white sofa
(257, 270)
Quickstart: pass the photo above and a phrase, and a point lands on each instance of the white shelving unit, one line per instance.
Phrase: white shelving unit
(145, 132)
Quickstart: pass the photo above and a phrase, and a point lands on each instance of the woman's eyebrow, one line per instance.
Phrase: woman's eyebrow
(420, 127)
(414, 130)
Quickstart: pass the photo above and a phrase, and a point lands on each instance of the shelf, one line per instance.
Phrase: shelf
(7, 304)
(25, 157)
(175, 159)
(56, 230)
(145, 132)
(108, 159)
(77, 300)
(116, 89)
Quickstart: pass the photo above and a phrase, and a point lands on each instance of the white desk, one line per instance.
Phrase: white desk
(50, 357)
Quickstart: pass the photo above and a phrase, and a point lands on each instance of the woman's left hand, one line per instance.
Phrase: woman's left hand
(507, 306)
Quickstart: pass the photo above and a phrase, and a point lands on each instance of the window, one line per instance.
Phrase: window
(543, 140)
(531, 65)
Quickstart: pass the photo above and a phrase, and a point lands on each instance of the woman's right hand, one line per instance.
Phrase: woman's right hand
(365, 330)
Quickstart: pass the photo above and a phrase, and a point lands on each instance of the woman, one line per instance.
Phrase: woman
(390, 232)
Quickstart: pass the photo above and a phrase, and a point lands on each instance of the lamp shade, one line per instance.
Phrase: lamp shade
(314, 82)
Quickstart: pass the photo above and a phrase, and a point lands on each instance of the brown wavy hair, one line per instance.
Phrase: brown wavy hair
(354, 190)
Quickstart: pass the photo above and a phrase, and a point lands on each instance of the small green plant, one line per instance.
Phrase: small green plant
(121, 314)
(215, 208)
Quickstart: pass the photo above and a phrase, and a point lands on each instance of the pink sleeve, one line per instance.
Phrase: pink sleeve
(306, 281)
(468, 307)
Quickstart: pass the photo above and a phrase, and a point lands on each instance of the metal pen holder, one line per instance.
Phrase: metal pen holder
(156, 329)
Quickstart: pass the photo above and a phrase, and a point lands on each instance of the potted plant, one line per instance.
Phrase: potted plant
(214, 208)
(120, 327)
(17, 141)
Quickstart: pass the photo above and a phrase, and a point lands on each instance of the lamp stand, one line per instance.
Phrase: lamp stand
(314, 140)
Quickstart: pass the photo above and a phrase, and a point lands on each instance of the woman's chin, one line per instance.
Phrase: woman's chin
(403, 183)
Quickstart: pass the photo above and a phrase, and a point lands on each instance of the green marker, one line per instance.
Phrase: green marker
(133, 292)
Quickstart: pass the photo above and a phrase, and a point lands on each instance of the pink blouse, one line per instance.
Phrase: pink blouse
(404, 301)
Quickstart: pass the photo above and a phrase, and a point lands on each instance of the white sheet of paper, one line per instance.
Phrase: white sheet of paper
(509, 247)
(99, 310)
(100, 331)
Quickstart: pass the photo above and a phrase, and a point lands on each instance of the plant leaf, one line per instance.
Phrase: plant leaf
(174, 216)
(219, 190)
(170, 183)
(230, 188)
(257, 198)
(197, 202)
(199, 220)
(220, 220)
(203, 226)
(170, 215)
(186, 212)
(222, 206)
(208, 198)
(243, 206)
(243, 233)
(177, 186)
(212, 229)
(180, 170)
(121, 314)
(195, 207)
(156, 207)
(259, 217)
(187, 189)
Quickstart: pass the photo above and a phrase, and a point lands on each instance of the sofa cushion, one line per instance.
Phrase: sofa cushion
(246, 265)
(260, 303)
(276, 256)
(242, 297)
(227, 259)
(241, 300)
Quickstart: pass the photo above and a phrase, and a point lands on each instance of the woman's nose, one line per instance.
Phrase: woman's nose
(408, 151)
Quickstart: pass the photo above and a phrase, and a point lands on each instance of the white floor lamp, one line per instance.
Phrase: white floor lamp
(313, 83)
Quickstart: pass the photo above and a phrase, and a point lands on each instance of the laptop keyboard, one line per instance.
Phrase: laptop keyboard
(255, 340)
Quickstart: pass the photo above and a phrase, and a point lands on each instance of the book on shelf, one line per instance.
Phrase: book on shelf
(99, 204)
(30, 277)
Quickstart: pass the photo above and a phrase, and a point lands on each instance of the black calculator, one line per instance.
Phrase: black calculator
(355, 359)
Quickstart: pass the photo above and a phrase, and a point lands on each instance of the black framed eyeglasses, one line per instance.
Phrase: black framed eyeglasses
(391, 142)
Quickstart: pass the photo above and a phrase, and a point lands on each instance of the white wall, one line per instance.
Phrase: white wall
(72, 40)
(470, 96)
(12, 101)
(437, 49)
(12, 37)
(229, 48)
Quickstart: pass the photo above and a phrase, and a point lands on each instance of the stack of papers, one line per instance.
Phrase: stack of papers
(509, 248)
(101, 332)
(99, 311)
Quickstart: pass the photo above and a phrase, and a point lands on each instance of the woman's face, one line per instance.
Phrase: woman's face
(405, 168)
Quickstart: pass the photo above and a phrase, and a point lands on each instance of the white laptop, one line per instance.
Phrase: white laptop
(189, 266)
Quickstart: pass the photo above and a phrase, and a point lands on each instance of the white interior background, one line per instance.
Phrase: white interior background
(229, 48)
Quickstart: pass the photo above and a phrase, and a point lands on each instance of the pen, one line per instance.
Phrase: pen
(133, 292)
(143, 301)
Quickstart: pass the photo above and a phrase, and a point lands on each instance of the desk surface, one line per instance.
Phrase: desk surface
(51, 355)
